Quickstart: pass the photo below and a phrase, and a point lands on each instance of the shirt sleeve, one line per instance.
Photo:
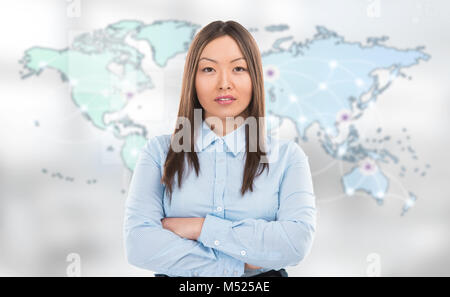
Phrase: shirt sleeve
(272, 244)
(148, 245)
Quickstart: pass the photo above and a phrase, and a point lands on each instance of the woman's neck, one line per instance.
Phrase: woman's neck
(222, 130)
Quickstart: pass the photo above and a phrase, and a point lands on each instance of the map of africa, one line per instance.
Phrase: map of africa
(326, 81)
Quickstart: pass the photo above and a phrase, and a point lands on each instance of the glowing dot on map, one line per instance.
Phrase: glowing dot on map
(134, 152)
(332, 64)
(341, 151)
(323, 86)
(83, 108)
(359, 82)
(73, 82)
(302, 119)
(350, 191)
(293, 98)
(380, 194)
(410, 203)
(344, 116)
(271, 73)
(42, 64)
(368, 167)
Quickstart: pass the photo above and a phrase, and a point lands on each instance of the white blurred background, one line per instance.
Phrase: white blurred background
(47, 223)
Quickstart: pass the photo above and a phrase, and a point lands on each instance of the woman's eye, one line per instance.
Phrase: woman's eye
(206, 68)
(243, 69)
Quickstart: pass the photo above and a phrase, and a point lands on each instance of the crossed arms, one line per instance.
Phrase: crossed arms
(190, 228)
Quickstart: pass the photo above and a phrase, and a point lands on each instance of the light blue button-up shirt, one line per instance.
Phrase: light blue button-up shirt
(271, 227)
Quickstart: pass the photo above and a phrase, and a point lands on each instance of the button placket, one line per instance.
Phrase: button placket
(219, 145)
(220, 160)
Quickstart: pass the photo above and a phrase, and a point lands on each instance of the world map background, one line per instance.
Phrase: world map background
(357, 153)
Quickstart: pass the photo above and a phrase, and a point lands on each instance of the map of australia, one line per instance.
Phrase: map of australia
(326, 81)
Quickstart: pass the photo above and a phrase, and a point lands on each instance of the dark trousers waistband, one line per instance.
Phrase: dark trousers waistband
(271, 273)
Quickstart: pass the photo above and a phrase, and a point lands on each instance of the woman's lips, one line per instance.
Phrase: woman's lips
(225, 101)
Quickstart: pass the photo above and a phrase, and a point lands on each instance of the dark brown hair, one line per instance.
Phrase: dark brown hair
(189, 101)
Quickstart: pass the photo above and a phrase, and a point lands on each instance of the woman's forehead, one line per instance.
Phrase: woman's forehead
(224, 45)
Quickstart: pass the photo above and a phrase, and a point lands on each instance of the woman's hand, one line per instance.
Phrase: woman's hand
(189, 228)
(249, 266)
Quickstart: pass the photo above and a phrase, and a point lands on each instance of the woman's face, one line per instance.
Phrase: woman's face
(222, 70)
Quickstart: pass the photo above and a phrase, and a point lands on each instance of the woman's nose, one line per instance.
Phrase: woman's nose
(224, 82)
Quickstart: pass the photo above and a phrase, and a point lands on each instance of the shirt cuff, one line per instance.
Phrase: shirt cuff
(232, 267)
(214, 229)
(227, 267)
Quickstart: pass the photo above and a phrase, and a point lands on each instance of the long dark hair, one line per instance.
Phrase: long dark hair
(189, 101)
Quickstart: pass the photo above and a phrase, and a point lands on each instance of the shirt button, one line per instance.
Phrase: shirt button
(216, 242)
(219, 208)
(235, 273)
(225, 271)
(195, 273)
(243, 253)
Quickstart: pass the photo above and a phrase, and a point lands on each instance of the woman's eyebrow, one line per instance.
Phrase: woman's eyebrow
(216, 61)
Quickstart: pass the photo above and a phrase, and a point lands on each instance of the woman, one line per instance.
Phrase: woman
(227, 218)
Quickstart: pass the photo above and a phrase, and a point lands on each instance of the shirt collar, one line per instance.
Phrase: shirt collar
(235, 140)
